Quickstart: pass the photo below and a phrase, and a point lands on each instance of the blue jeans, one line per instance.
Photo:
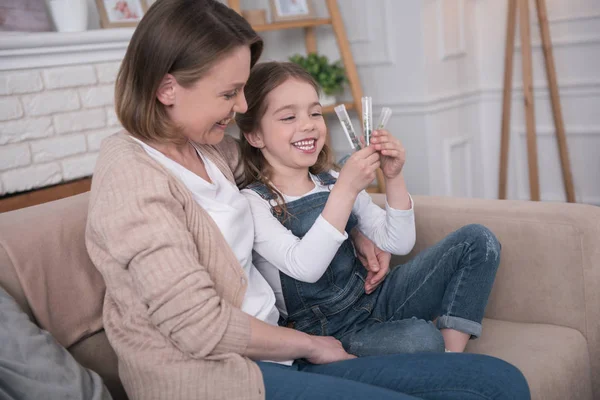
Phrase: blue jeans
(402, 376)
(450, 281)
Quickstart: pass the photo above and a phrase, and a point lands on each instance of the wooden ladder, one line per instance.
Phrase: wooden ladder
(310, 40)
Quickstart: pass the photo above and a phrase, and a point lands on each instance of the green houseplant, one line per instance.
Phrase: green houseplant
(330, 76)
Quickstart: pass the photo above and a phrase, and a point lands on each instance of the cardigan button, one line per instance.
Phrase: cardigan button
(243, 280)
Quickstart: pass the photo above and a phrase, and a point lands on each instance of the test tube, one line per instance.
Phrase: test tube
(344, 118)
(384, 117)
(367, 106)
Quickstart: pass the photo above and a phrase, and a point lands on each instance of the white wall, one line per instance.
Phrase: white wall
(575, 30)
(437, 63)
(52, 121)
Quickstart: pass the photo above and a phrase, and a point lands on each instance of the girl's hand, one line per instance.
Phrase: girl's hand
(392, 153)
(327, 349)
(359, 170)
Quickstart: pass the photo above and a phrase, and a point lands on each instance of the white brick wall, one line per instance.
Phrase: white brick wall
(79, 120)
(58, 148)
(14, 156)
(52, 122)
(95, 138)
(35, 176)
(10, 108)
(97, 96)
(24, 129)
(78, 167)
(20, 82)
(107, 73)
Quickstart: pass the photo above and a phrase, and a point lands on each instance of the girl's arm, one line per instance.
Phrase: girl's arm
(307, 259)
(392, 230)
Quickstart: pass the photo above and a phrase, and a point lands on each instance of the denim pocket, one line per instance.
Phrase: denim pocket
(314, 326)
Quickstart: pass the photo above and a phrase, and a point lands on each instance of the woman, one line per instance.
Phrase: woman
(185, 310)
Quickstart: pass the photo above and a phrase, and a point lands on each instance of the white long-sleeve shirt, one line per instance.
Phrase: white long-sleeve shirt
(229, 209)
(277, 249)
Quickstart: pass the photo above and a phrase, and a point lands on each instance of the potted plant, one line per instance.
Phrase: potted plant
(330, 76)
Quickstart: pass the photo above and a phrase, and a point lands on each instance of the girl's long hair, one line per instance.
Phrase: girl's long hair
(264, 78)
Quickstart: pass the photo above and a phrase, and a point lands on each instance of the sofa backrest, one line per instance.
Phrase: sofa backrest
(44, 265)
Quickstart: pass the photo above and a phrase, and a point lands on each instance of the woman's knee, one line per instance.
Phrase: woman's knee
(504, 378)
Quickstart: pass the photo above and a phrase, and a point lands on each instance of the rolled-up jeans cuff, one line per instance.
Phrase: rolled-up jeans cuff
(460, 324)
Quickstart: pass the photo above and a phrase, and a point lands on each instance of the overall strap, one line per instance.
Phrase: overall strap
(326, 178)
(262, 190)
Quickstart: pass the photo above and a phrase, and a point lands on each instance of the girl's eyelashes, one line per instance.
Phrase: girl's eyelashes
(229, 96)
(315, 114)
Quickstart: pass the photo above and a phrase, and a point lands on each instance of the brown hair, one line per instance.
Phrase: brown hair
(184, 38)
(264, 78)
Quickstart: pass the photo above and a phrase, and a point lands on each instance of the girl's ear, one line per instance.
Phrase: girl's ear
(166, 90)
(255, 139)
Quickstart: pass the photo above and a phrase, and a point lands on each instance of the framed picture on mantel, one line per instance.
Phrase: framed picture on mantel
(285, 10)
(120, 13)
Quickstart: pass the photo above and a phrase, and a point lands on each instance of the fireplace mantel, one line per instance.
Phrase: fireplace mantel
(20, 50)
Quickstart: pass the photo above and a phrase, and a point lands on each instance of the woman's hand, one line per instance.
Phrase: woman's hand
(376, 277)
(327, 349)
(359, 170)
(375, 260)
(392, 153)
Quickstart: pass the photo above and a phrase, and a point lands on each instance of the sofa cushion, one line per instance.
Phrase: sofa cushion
(45, 246)
(554, 359)
(35, 366)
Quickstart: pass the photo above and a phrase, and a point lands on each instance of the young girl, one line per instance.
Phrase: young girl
(302, 211)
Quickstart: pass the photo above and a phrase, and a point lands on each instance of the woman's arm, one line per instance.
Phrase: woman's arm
(135, 223)
(141, 229)
(280, 344)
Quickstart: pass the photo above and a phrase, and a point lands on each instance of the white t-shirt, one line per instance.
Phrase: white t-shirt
(277, 249)
(231, 212)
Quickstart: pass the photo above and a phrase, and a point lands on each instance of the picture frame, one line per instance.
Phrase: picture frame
(121, 13)
(287, 10)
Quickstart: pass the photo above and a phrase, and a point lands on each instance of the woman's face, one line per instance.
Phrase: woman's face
(204, 110)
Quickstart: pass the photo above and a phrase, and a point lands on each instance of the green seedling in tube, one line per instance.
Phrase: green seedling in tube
(384, 117)
(367, 106)
(344, 118)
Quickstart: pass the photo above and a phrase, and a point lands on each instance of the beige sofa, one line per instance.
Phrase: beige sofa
(543, 315)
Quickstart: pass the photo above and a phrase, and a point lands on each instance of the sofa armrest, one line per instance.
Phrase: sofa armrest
(550, 261)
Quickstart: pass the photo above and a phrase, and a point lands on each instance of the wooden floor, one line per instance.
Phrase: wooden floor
(39, 196)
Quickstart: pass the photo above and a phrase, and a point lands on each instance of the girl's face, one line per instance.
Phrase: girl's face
(204, 110)
(292, 132)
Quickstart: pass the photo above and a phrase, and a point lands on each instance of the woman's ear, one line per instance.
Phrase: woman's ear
(255, 139)
(166, 90)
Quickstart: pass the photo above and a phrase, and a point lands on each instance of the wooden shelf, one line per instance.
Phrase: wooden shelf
(307, 23)
(44, 195)
(330, 109)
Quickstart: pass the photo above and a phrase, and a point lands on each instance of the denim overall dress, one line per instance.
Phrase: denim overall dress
(449, 282)
(311, 306)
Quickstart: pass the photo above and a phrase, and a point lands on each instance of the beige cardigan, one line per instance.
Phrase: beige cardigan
(173, 285)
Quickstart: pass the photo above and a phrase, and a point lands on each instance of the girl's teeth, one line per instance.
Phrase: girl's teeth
(305, 144)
